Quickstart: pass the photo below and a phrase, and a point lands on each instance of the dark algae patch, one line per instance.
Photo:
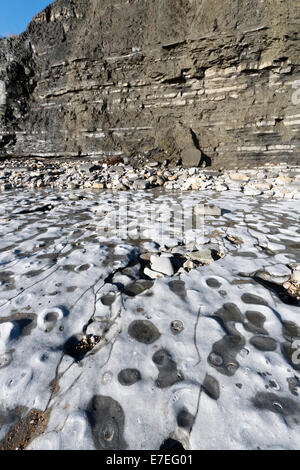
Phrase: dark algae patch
(263, 343)
(168, 372)
(107, 420)
(129, 377)
(224, 351)
(281, 405)
(211, 387)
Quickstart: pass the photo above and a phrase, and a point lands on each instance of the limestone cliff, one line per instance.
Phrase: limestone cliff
(155, 78)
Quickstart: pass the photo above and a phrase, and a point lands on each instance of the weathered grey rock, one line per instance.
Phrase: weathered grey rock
(162, 264)
(191, 157)
(202, 256)
(278, 274)
(211, 387)
(161, 78)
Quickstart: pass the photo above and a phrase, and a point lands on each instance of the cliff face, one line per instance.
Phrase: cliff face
(155, 78)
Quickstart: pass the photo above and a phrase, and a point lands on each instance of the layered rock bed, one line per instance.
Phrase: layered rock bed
(281, 181)
(202, 327)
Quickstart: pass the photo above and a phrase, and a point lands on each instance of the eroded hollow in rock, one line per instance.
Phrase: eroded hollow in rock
(277, 404)
(172, 444)
(143, 331)
(211, 387)
(185, 419)
(129, 377)
(107, 420)
(168, 372)
(224, 352)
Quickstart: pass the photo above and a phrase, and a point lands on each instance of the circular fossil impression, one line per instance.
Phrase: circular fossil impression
(176, 327)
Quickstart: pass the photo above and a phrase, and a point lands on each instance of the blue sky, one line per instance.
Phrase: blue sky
(16, 14)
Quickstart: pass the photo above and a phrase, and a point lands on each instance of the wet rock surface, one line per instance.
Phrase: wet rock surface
(207, 347)
(185, 419)
(211, 387)
(129, 377)
(263, 343)
(168, 373)
(107, 420)
(281, 405)
(143, 331)
(27, 428)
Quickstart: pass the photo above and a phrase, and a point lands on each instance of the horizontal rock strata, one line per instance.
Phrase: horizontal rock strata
(213, 81)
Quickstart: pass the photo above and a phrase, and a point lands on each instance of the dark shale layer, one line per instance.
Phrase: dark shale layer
(155, 79)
